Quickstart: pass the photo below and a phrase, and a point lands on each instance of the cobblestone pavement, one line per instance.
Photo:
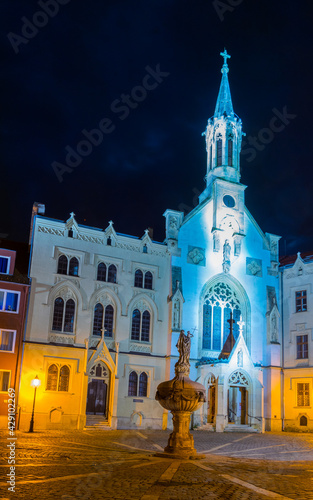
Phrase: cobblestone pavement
(94, 465)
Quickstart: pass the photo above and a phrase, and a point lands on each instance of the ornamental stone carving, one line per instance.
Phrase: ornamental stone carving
(196, 256)
(254, 267)
(139, 347)
(50, 230)
(61, 339)
(238, 379)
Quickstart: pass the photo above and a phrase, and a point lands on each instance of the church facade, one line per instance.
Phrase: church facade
(106, 310)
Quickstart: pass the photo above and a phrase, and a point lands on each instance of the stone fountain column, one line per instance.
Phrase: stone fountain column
(181, 396)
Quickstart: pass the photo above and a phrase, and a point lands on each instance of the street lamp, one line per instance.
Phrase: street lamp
(34, 383)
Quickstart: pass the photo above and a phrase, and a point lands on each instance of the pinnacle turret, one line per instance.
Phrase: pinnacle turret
(224, 103)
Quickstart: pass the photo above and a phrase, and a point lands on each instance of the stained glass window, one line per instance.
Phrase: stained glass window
(220, 303)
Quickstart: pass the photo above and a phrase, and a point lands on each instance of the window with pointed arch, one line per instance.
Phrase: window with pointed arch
(103, 318)
(101, 272)
(112, 271)
(58, 378)
(138, 278)
(138, 386)
(143, 280)
(221, 308)
(105, 273)
(67, 266)
(230, 151)
(219, 152)
(140, 328)
(63, 315)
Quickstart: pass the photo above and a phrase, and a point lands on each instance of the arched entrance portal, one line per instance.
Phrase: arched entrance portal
(238, 393)
(98, 390)
(211, 399)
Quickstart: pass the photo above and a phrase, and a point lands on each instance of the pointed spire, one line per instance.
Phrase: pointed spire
(224, 103)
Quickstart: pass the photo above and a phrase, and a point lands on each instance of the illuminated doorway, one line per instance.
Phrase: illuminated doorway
(98, 390)
(237, 398)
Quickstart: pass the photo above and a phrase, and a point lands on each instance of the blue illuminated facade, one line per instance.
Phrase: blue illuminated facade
(225, 286)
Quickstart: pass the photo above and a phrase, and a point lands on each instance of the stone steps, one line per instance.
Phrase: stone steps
(239, 428)
(96, 422)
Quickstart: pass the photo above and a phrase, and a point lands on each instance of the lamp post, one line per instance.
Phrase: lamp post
(34, 383)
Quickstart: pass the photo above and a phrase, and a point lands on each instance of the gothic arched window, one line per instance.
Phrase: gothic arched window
(64, 378)
(58, 379)
(97, 319)
(102, 271)
(108, 321)
(112, 274)
(132, 384)
(62, 264)
(57, 323)
(63, 321)
(138, 278)
(219, 152)
(140, 329)
(52, 378)
(148, 280)
(73, 267)
(230, 152)
(221, 311)
(143, 384)
(135, 333)
(145, 326)
(69, 316)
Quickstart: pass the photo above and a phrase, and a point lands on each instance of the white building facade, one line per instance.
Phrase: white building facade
(297, 313)
(106, 310)
(226, 270)
(97, 327)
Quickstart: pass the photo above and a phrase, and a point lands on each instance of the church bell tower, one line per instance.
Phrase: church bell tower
(223, 138)
(223, 135)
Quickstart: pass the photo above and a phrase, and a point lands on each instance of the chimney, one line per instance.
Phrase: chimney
(38, 209)
(150, 232)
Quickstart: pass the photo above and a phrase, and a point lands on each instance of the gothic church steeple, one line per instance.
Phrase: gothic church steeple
(223, 135)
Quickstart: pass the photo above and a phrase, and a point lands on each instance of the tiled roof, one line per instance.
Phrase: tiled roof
(289, 260)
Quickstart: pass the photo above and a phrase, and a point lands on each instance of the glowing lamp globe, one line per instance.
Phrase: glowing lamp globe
(35, 382)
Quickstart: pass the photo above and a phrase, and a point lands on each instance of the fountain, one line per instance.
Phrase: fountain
(181, 396)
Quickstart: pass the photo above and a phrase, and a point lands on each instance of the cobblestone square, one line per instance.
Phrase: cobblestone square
(121, 465)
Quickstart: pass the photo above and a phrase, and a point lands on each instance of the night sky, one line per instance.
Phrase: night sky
(69, 75)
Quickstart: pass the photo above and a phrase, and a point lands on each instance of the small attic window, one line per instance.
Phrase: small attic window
(300, 271)
(70, 233)
(145, 249)
(109, 241)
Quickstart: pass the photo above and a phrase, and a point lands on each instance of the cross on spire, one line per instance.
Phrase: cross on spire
(226, 56)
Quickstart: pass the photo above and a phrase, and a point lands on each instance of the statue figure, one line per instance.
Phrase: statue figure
(183, 346)
(226, 256)
(274, 329)
(176, 314)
